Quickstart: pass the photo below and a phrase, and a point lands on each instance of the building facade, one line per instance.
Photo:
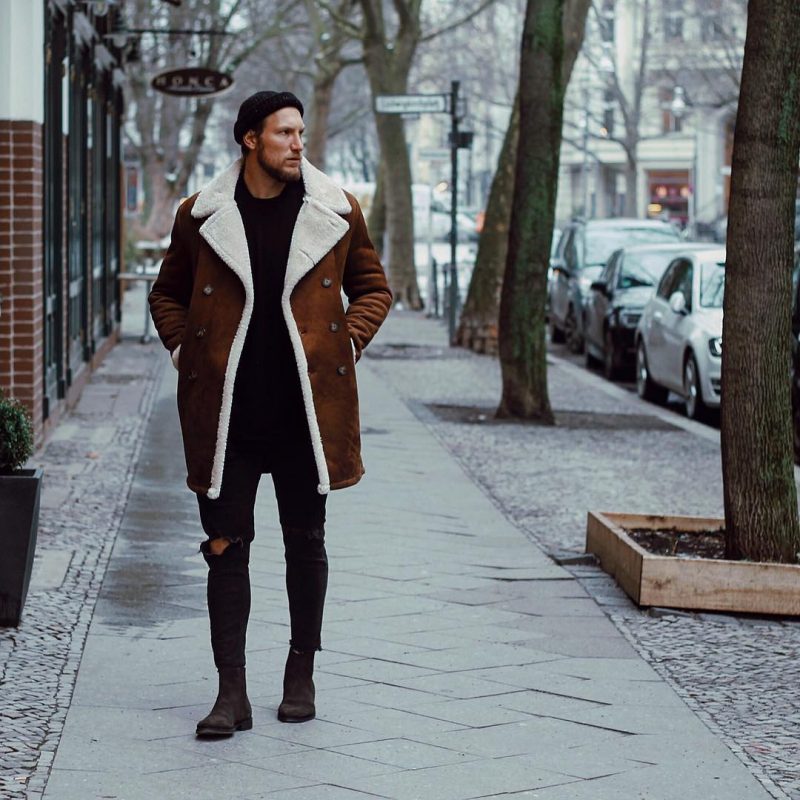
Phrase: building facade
(60, 117)
(650, 112)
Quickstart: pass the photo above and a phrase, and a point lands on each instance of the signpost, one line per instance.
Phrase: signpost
(192, 82)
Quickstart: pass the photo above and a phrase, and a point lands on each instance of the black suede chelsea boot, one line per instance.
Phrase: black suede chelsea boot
(231, 711)
(298, 687)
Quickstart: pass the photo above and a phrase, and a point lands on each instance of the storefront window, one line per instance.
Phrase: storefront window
(669, 193)
(81, 175)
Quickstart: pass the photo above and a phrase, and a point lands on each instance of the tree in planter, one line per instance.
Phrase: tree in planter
(761, 516)
(478, 324)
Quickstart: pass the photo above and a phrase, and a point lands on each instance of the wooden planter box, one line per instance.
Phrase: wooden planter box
(692, 583)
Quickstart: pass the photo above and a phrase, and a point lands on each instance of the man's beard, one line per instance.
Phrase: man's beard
(282, 175)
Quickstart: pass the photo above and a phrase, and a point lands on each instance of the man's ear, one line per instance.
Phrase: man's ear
(250, 140)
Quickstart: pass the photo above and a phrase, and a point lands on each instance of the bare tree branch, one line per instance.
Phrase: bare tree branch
(459, 22)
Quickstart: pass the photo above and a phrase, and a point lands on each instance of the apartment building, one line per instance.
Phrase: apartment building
(650, 111)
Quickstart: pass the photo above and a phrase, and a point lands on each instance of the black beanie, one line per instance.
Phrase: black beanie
(260, 105)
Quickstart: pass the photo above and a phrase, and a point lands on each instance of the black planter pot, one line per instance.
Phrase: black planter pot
(19, 522)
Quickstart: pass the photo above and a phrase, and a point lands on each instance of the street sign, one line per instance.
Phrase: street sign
(434, 153)
(410, 103)
(192, 82)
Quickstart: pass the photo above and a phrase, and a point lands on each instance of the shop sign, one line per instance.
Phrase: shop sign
(192, 82)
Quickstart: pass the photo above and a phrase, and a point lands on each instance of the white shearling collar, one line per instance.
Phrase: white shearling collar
(318, 186)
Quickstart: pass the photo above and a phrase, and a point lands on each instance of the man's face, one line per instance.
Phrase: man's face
(280, 146)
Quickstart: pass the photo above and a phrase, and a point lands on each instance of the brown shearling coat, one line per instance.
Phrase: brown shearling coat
(202, 302)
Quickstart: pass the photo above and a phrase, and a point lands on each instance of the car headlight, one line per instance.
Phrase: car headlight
(715, 346)
(585, 285)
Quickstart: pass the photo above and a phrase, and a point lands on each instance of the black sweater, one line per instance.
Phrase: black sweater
(267, 399)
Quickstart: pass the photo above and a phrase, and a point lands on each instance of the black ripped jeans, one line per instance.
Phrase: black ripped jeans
(301, 510)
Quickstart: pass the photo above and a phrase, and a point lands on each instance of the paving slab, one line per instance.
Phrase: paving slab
(460, 661)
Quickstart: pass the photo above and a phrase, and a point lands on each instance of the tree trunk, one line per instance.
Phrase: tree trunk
(396, 170)
(376, 222)
(522, 317)
(388, 63)
(478, 326)
(320, 113)
(477, 329)
(543, 81)
(161, 199)
(631, 188)
(761, 517)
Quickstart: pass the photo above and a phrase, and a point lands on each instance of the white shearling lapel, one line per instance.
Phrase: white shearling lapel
(318, 228)
(319, 225)
(224, 232)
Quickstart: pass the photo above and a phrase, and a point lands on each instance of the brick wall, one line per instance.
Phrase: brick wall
(21, 259)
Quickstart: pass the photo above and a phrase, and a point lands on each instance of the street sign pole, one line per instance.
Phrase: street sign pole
(453, 309)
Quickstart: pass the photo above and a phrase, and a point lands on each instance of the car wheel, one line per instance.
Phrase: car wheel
(592, 361)
(696, 409)
(646, 388)
(610, 357)
(571, 332)
(556, 334)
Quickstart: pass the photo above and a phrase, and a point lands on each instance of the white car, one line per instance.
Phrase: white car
(679, 337)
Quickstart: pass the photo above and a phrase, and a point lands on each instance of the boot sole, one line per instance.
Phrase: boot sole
(284, 718)
(215, 733)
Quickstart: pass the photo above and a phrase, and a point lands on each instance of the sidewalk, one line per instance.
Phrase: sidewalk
(460, 661)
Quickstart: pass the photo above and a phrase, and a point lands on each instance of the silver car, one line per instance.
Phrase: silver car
(679, 337)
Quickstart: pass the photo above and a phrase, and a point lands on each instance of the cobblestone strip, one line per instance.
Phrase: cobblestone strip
(729, 698)
(88, 468)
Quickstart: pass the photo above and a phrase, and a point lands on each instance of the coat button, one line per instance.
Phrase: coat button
(326, 282)
(201, 332)
(334, 326)
(207, 289)
(342, 370)
(192, 376)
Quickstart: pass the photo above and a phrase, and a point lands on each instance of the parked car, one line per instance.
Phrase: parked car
(617, 299)
(679, 337)
(583, 250)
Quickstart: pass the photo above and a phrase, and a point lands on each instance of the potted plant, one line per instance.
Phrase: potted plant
(20, 490)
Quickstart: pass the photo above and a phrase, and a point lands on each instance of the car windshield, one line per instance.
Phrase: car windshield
(600, 244)
(712, 284)
(643, 269)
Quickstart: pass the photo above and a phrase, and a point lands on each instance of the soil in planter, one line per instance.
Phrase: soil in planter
(683, 544)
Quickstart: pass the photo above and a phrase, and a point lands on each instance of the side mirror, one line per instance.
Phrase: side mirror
(599, 286)
(677, 303)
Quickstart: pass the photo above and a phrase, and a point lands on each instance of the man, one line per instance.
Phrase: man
(249, 303)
